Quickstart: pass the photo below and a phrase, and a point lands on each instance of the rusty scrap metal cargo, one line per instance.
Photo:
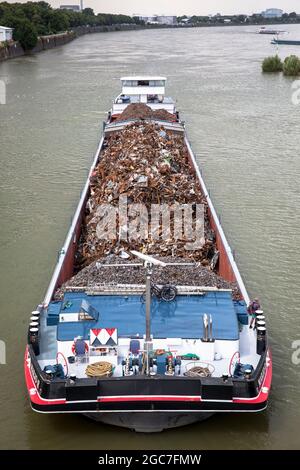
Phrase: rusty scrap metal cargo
(142, 111)
(114, 270)
(147, 165)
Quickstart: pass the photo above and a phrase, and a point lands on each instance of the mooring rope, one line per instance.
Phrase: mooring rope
(99, 369)
(198, 372)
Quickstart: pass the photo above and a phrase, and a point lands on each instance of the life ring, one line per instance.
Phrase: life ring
(236, 358)
(86, 348)
(65, 361)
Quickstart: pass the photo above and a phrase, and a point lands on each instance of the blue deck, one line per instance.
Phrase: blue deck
(181, 318)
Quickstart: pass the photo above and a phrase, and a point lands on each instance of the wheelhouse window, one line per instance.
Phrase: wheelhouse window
(135, 83)
(129, 82)
(143, 82)
(157, 83)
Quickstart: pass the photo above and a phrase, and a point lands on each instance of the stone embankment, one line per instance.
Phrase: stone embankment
(12, 49)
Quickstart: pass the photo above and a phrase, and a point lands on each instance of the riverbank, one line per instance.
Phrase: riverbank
(13, 49)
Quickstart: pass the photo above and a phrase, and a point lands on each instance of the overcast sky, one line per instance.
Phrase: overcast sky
(180, 7)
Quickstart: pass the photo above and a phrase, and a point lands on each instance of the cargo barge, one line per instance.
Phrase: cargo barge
(286, 42)
(144, 329)
(273, 32)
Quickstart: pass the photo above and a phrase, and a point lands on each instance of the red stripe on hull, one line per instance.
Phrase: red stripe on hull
(32, 389)
(38, 400)
(263, 395)
(147, 398)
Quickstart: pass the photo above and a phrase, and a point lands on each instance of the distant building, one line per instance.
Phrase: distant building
(70, 7)
(272, 13)
(157, 19)
(166, 20)
(6, 34)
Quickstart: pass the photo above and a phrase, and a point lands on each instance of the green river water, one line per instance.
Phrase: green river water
(245, 131)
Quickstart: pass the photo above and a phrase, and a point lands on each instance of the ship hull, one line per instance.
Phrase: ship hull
(149, 422)
(286, 42)
(140, 403)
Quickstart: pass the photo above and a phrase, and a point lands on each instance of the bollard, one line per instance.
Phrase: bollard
(33, 336)
(261, 340)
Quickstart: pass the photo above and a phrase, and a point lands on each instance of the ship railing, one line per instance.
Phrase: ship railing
(120, 289)
(168, 125)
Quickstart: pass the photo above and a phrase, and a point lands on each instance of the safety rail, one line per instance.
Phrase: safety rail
(123, 289)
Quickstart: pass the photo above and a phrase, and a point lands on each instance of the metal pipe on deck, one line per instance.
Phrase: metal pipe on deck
(205, 327)
(210, 328)
(148, 306)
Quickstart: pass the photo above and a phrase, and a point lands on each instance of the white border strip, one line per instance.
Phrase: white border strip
(149, 411)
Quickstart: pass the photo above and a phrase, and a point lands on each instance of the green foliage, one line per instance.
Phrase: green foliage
(272, 64)
(4, 44)
(58, 21)
(180, 18)
(26, 34)
(39, 18)
(291, 66)
(88, 12)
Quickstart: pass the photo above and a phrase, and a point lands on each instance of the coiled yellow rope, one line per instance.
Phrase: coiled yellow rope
(198, 372)
(99, 369)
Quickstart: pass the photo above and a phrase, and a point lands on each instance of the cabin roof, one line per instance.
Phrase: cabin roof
(143, 77)
(179, 319)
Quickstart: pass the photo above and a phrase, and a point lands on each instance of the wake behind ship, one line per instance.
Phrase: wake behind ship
(145, 321)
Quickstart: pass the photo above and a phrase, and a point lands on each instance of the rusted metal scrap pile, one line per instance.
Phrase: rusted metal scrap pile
(142, 111)
(109, 271)
(149, 166)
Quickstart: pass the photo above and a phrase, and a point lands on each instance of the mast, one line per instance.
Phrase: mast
(148, 262)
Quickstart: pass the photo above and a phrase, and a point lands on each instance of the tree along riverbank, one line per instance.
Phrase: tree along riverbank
(12, 49)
